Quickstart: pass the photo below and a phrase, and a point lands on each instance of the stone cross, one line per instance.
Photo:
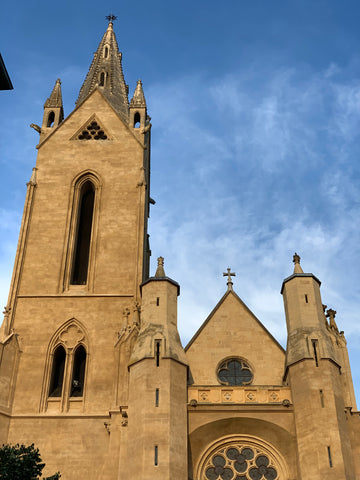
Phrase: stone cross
(296, 259)
(229, 274)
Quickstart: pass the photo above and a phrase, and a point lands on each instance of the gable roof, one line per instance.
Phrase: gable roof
(218, 305)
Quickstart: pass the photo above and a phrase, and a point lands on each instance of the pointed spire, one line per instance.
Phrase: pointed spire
(106, 74)
(55, 99)
(138, 100)
(297, 267)
(160, 272)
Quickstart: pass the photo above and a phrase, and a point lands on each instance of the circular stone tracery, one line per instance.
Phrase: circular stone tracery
(240, 462)
(234, 371)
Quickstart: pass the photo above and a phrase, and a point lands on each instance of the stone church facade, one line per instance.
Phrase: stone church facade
(92, 369)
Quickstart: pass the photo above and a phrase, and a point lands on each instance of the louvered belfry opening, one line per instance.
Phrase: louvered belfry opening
(83, 236)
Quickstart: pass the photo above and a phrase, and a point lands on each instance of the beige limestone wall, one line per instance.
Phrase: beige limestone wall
(163, 426)
(320, 421)
(75, 446)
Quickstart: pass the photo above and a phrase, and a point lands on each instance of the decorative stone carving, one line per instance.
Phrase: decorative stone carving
(71, 336)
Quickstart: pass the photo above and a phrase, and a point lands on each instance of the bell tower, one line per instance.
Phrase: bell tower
(82, 255)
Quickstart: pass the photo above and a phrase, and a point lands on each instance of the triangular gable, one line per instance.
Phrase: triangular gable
(80, 106)
(232, 330)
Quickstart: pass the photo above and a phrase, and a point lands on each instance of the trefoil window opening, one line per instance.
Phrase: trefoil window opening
(83, 237)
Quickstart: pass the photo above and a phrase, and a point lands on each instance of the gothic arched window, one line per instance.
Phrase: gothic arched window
(51, 119)
(78, 372)
(83, 234)
(57, 372)
(137, 120)
(102, 79)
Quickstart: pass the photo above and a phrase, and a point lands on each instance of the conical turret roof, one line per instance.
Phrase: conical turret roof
(55, 99)
(138, 99)
(106, 74)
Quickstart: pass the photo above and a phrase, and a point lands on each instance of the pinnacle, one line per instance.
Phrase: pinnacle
(55, 99)
(297, 267)
(160, 272)
(138, 100)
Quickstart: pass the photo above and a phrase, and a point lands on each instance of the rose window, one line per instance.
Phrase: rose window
(240, 462)
(234, 371)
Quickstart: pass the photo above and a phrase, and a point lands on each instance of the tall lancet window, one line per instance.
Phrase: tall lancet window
(57, 372)
(102, 79)
(78, 373)
(83, 236)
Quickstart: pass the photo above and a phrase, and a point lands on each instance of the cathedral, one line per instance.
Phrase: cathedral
(92, 369)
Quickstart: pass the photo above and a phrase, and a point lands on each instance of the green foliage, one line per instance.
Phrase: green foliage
(18, 462)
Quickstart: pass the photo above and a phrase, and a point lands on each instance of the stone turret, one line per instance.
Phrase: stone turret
(158, 386)
(53, 111)
(138, 117)
(313, 370)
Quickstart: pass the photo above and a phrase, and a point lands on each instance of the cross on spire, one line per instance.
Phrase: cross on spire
(111, 17)
(229, 274)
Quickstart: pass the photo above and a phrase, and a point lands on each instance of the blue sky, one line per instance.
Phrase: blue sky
(255, 109)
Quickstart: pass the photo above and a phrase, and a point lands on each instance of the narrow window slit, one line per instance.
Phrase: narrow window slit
(315, 348)
(156, 456)
(157, 301)
(157, 397)
(157, 352)
(306, 299)
(329, 455)
(322, 399)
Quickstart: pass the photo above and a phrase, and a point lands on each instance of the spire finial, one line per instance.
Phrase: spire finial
(111, 18)
(160, 272)
(229, 274)
(297, 267)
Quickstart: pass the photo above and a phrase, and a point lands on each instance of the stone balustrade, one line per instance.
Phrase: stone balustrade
(233, 394)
